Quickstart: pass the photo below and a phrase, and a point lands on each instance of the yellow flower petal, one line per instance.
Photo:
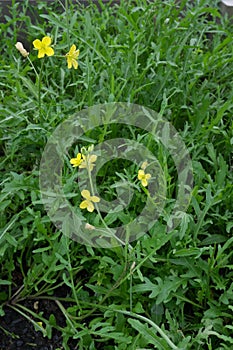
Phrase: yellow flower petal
(41, 53)
(88, 162)
(86, 194)
(92, 158)
(86, 204)
(72, 50)
(49, 51)
(140, 174)
(37, 44)
(69, 61)
(75, 64)
(46, 41)
(76, 161)
(90, 206)
(83, 204)
(95, 199)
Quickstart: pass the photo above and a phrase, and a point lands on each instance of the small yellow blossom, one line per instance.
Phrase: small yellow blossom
(143, 177)
(87, 203)
(72, 56)
(88, 161)
(76, 161)
(22, 50)
(43, 47)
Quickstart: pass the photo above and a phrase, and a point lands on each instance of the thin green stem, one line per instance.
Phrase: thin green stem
(33, 67)
(67, 21)
(39, 87)
(66, 9)
(24, 314)
(66, 314)
(131, 293)
(71, 277)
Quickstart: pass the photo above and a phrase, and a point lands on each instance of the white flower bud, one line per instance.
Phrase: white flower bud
(19, 46)
(89, 227)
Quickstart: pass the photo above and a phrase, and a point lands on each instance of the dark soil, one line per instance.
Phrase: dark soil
(22, 334)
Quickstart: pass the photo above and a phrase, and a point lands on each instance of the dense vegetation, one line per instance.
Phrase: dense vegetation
(164, 290)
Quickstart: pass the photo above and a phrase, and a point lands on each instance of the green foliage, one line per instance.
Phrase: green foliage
(168, 291)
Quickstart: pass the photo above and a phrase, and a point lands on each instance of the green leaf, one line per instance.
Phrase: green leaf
(5, 282)
(148, 334)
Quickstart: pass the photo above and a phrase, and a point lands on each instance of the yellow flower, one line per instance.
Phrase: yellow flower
(88, 162)
(72, 56)
(87, 203)
(143, 177)
(43, 47)
(19, 46)
(76, 161)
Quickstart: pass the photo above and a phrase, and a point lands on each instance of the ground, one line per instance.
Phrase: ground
(23, 335)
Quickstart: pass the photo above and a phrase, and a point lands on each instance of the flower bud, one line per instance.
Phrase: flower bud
(89, 227)
(144, 165)
(19, 46)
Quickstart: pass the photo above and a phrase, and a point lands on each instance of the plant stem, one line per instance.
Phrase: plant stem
(33, 67)
(39, 88)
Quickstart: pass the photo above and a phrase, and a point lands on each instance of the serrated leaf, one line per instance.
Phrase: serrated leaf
(148, 334)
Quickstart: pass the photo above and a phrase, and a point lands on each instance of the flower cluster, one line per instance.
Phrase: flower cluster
(85, 160)
(142, 176)
(44, 48)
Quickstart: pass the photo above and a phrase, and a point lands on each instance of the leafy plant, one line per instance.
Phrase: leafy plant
(164, 290)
